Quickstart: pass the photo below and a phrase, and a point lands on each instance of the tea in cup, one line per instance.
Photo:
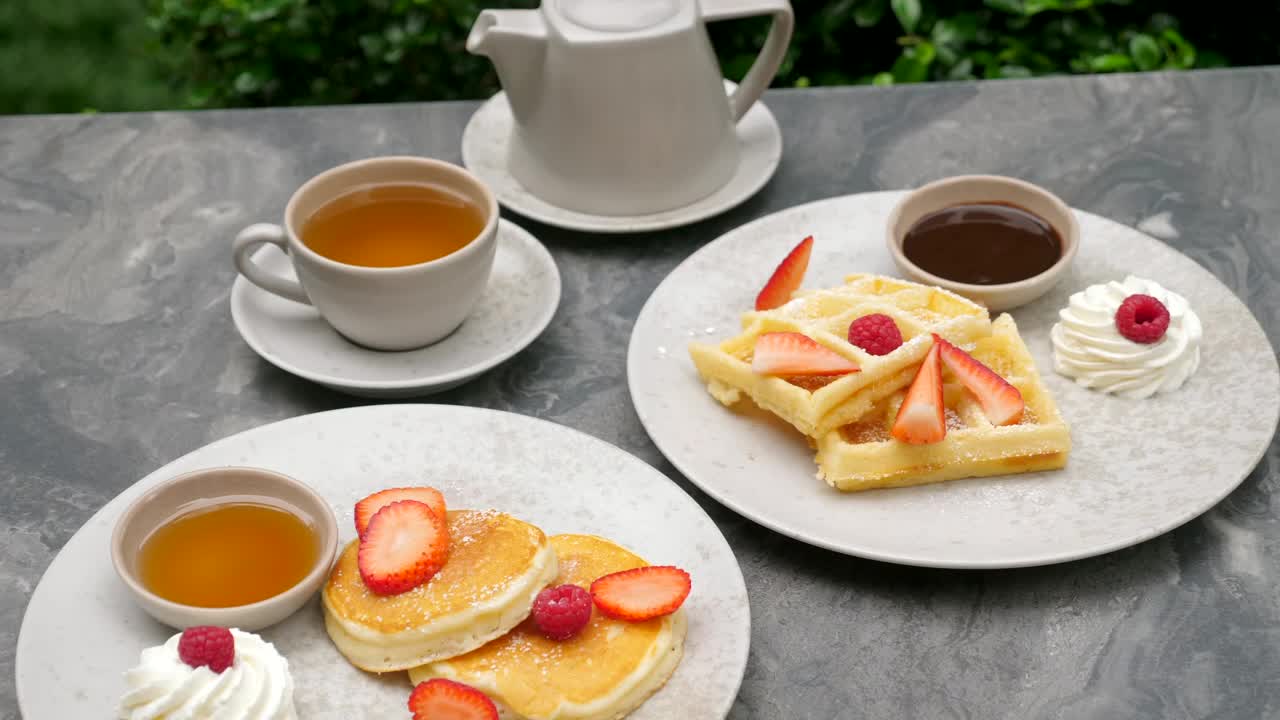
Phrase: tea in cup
(393, 252)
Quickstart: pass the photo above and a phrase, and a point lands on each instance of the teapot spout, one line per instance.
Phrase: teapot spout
(516, 42)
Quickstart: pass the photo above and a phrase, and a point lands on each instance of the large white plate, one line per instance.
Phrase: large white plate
(1138, 468)
(81, 630)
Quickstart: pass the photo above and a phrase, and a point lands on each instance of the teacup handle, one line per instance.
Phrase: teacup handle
(770, 57)
(246, 242)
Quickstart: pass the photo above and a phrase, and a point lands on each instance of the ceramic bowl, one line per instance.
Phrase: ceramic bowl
(207, 489)
(962, 189)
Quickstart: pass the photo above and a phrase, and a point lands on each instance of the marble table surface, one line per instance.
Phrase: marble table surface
(117, 354)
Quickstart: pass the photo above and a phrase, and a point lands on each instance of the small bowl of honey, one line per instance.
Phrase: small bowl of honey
(233, 546)
(996, 240)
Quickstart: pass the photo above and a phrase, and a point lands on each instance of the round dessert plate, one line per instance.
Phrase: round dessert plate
(1138, 468)
(82, 630)
(520, 300)
(484, 152)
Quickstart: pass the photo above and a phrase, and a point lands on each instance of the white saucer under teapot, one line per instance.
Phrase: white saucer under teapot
(619, 105)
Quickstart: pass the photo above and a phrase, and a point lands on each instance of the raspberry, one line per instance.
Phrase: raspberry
(1142, 319)
(562, 612)
(877, 334)
(207, 646)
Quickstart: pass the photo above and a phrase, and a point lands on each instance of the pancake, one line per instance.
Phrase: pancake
(603, 673)
(497, 565)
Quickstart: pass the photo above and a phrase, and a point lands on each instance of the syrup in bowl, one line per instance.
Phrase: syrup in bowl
(229, 554)
(987, 243)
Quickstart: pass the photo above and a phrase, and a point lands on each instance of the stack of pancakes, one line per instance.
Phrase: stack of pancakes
(470, 623)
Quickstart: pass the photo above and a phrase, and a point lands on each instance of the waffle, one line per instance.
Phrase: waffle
(862, 455)
(817, 405)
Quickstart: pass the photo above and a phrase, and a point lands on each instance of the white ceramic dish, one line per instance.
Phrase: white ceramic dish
(82, 630)
(962, 189)
(484, 152)
(516, 306)
(1138, 467)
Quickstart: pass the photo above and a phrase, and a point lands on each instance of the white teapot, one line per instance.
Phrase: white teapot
(619, 105)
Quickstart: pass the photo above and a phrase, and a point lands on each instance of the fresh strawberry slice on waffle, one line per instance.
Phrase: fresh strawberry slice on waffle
(786, 278)
(791, 353)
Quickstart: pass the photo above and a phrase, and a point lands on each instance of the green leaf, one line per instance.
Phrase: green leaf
(945, 33)
(210, 16)
(371, 44)
(962, 70)
(200, 96)
(1032, 7)
(913, 65)
(908, 13)
(869, 13)
(247, 83)
(1013, 7)
(230, 49)
(959, 29)
(1114, 62)
(1014, 71)
(1181, 50)
(1145, 52)
(924, 53)
(883, 78)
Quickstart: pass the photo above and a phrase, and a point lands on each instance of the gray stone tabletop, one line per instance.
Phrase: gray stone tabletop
(117, 354)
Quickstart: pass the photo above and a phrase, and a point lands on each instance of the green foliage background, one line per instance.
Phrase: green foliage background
(144, 54)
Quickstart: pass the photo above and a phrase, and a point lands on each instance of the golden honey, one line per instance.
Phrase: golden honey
(228, 555)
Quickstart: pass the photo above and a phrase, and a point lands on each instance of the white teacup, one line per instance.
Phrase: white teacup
(384, 308)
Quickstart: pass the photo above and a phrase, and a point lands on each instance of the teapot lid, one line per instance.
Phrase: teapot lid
(617, 15)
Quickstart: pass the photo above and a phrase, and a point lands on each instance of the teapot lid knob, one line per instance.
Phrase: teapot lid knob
(617, 15)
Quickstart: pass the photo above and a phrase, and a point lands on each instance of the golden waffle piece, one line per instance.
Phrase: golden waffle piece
(862, 455)
(817, 405)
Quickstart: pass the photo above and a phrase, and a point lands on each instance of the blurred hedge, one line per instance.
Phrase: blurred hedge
(73, 55)
(220, 53)
(286, 52)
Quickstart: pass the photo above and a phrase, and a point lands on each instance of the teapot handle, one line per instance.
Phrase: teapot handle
(770, 57)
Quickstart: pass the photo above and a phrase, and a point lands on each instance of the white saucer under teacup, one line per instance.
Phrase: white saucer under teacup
(485, 145)
(519, 300)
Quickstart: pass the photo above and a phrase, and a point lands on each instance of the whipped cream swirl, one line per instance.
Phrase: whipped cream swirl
(1088, 347)
(256, 687)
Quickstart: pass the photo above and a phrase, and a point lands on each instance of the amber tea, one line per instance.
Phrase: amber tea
(393, 225)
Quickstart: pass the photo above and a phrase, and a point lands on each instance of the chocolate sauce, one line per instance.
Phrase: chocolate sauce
(983, 244)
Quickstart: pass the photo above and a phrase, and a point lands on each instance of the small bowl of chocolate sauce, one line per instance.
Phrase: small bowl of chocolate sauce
(996, 240)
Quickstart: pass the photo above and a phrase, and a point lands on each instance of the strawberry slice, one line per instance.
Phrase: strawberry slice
(922, 417)
(641, 594)
(790, 353)
(366, 508)
(786, 278)
(440, 699)
(405, 544)
(1001, 402)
